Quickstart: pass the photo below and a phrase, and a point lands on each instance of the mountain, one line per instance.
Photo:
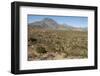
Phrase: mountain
(48, 23)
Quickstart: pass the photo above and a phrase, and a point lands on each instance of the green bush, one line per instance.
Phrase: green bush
(41, 50)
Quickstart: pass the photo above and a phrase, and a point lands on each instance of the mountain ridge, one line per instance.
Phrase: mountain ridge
(48, 23)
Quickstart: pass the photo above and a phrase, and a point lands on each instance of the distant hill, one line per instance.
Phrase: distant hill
(48, 23)
(45, 23)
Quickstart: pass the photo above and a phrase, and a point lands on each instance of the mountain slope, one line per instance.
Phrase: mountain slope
(45, 23)
(48, 23)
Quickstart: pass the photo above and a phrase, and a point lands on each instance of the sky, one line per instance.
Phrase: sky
(75, 21)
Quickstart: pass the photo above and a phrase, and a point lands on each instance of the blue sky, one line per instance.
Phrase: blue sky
(75, 21)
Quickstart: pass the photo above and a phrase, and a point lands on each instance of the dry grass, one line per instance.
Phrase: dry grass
(56, 44)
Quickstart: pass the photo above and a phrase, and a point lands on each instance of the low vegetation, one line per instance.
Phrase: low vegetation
(56, 44)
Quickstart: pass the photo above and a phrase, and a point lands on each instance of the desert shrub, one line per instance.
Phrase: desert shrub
(71, 43)
(29, 57)
(84, 53)
(33, 40)
(41, 50)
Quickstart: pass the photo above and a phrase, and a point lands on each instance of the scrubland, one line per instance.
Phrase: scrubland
(46, 44)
